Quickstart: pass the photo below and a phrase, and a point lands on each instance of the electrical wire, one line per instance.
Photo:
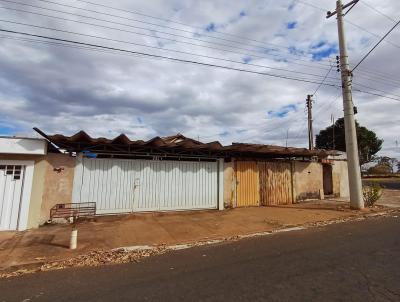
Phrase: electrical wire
(323, 80)
(158, 25)
(167, 39)
(377, 78)
(364, 70)
(311, 5)
(377, 11)
(376, 94)
(165, 57)
(376, 89)
(186, 61)
(166, 20)
(347, 21)
(375, 46)
(355, 25)
(371, 33)
(164, 49)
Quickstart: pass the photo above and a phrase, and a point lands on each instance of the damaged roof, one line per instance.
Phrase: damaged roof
(177, 144)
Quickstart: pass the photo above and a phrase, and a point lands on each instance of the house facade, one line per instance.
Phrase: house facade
(173, 173)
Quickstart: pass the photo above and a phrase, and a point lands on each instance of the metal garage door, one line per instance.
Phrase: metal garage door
(118, 185)
(11, 183)
(275, 183)
(247, 184)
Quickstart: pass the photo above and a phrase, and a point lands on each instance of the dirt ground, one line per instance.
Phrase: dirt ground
(50, 243)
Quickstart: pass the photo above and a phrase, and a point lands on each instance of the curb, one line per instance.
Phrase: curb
(177, 247)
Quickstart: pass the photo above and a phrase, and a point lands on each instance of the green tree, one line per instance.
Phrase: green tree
(384, 165)
(368, 143)
(386, 161)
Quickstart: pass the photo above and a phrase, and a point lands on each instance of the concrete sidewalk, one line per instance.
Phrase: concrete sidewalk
(50, 242)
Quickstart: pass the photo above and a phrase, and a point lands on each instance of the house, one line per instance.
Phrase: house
(172, 173)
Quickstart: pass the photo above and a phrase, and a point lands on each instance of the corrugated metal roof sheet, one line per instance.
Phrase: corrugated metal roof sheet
(81, 141)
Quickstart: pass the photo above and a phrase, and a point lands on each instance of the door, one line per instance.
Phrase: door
(11, 184)
(275, 183)
(119, 186)
(247, 186)
(327, 179)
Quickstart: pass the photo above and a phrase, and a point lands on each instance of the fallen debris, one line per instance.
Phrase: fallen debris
(93, 258)
(136, 253)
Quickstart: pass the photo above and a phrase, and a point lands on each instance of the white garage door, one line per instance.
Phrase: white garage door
(118, 185)
(11, 184)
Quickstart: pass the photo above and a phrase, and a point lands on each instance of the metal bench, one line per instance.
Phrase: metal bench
(73, 210)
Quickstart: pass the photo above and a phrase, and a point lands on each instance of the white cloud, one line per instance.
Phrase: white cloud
(64, 90)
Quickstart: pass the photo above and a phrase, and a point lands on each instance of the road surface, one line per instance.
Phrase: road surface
(357, 261)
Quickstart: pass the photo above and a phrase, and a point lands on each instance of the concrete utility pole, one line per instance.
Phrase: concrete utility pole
(310, 123)
(356, 198)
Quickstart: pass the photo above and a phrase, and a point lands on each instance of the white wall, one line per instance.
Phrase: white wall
(14, 145)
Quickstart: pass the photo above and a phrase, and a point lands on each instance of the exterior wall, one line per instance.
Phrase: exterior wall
(229, 184)
(307, 180)
(58, 183)
(48, 187)
(37, 185)
(340, 179)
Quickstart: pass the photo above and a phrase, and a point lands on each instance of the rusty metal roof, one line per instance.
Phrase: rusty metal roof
(176, 144)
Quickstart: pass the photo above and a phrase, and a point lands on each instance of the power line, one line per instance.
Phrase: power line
(354, 4)
(369, 76)
(311, 5)
(378, 11)
(123, 24)
(378, 75)
(164, 38)
(371, 33)
(186, 61)
(164, 49)
(377, 94)
(165, 57)
(376, 89)
(347, 21)
(168, 20)
(323, 80)
(376, 45)
(158, 25)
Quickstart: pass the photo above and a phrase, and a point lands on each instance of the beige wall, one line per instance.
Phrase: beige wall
(58, 183)
(307, 180)
(229, 184)
(340, 179)
(48, 186)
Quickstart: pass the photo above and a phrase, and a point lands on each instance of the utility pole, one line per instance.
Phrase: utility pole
(356, 198)
(333, 132)
(310, 123)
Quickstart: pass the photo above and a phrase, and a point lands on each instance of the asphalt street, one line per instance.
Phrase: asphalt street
(356, 261)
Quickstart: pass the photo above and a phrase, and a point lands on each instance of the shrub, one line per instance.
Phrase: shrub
(371, 194)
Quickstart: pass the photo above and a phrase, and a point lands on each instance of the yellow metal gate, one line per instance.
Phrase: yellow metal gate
(247, 184)
(275, 183)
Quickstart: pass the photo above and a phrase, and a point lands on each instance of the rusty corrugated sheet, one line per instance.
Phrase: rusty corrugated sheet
(82, 141)
(247, 184)
(275, 183)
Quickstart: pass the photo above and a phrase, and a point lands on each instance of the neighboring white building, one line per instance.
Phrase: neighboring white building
(18, 156)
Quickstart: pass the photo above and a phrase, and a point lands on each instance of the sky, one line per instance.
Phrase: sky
(64, 89)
